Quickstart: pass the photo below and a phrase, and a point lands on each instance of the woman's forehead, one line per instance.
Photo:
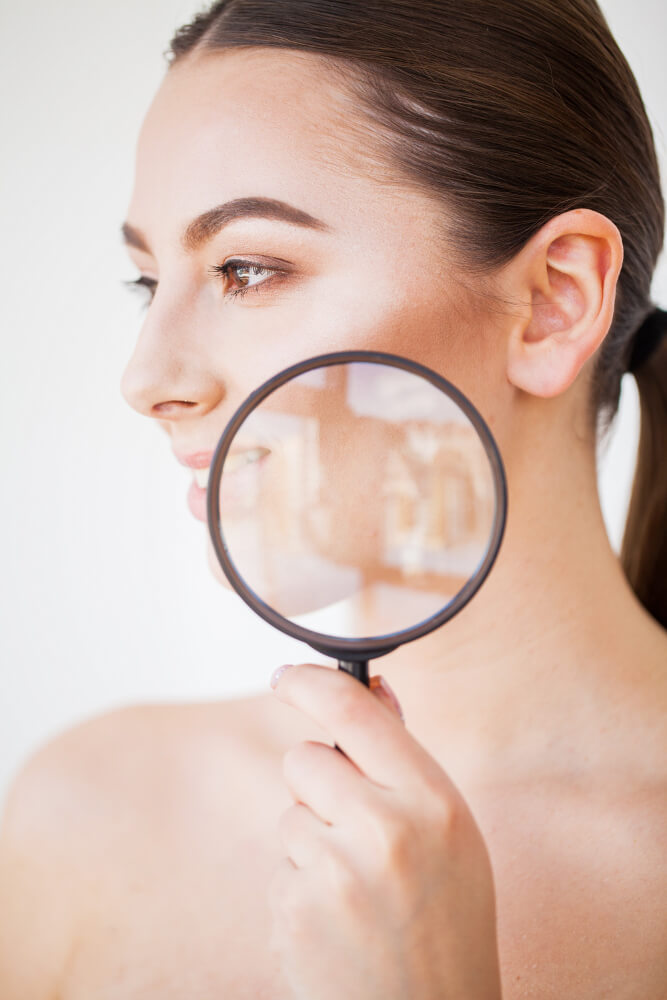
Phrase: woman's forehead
(262, 123)
(260, 120)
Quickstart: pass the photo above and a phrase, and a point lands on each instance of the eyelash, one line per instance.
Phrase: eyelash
(216, 270)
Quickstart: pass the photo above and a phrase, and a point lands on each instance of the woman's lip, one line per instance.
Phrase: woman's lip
(195, 460)
(202, 459)
(197, 494)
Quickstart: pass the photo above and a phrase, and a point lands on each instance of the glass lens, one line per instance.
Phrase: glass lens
(361, 488)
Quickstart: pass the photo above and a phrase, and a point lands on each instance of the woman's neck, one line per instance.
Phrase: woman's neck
(554, 635)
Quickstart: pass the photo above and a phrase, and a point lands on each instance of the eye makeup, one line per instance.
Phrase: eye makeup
(251, 268)
(234, 269)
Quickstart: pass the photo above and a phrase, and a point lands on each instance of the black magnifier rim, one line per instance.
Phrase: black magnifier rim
(337, 646)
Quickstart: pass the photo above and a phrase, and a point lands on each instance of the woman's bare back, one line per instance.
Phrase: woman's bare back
(139, 848)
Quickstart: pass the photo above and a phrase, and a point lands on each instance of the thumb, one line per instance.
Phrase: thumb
(380, 688)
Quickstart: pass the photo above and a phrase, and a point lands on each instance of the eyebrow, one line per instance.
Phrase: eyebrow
(200, 230)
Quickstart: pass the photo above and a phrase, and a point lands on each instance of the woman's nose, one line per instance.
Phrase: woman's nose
(167, 376)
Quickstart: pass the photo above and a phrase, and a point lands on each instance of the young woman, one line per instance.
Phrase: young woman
(473, 185)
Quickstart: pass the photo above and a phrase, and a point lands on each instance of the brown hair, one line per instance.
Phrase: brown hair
(513, 112)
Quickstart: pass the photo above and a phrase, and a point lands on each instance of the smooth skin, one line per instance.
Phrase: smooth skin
(386, 890)
(509, 835)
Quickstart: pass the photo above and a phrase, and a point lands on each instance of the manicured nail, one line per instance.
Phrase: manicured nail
(392, 697)
(277, 674)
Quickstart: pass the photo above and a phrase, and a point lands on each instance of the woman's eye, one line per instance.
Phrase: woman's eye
(246, 275)
(243, 275)
(143, 285)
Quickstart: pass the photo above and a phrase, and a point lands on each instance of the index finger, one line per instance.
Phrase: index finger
(373, 738)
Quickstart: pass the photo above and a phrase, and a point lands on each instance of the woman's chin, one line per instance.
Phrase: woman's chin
(215, 566)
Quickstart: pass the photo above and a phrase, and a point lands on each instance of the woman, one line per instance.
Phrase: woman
(474, 186)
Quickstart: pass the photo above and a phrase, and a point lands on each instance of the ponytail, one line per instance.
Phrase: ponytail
(511, 113)
(644, 548)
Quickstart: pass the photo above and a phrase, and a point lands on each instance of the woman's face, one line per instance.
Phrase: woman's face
(255, 163)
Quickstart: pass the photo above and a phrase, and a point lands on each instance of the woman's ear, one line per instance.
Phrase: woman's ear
(566, 274)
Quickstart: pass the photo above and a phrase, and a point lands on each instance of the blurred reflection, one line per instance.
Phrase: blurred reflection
(357, 483)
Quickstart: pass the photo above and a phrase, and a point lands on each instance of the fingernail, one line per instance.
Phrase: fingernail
(392, 697)
(277, 674)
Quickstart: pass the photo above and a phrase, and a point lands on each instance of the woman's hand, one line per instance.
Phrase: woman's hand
(386, 892)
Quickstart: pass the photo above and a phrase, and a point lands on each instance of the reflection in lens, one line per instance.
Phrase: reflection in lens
(358, 489)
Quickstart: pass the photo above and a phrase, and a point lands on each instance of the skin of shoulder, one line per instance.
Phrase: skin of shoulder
(88, 802)
(97, 792)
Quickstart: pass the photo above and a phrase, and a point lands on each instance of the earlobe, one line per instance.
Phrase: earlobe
(567, 274)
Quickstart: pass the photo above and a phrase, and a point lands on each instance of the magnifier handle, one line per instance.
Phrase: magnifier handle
(358, 669)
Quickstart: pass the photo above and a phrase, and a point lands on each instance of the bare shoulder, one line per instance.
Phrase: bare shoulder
(59, 795)
(86, 774)
(140, 758)
(89, 808)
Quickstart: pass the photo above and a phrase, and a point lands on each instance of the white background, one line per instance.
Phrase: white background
(105, 596)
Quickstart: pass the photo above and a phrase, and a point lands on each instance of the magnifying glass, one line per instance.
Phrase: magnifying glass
(356, 501)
